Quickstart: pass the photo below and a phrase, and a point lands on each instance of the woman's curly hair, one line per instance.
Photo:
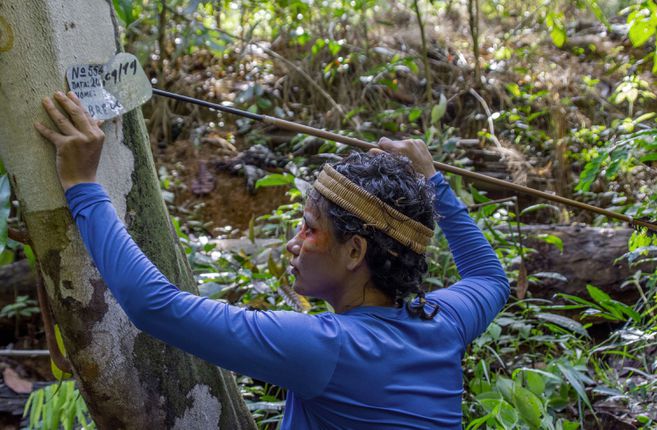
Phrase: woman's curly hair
(396, 269)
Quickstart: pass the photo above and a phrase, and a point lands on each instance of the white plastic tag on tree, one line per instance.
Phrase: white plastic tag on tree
(112, 89)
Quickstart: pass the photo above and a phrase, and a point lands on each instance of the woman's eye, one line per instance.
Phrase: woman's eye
(302, 229)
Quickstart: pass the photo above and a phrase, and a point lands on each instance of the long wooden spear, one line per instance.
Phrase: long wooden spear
(300, 128)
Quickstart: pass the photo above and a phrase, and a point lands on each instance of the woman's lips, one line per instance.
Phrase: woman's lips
(292, 270)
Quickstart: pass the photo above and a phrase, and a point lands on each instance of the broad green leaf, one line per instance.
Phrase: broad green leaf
(640, 32)
(507, 415)
(558, 35)
(494, 330)
(505, 387)
(590, 172)
(514, 89)
(334, 47)
(567, 425)
(528, 405)
(274, 180)
(414, 114)
(535, 382)
(649, 157)
(479, 386)
(554, 22)
(489, 400)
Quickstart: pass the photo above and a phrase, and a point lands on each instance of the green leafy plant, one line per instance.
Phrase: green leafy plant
(617, 155)
(22, 307)
(642, 21)
(57, 406)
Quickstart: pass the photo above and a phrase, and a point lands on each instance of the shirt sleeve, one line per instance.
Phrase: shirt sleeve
(289, 349)
(479, 296)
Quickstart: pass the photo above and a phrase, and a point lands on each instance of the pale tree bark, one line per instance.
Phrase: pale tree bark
(128, 379)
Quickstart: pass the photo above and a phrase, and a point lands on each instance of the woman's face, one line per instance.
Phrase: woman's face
(318, 260)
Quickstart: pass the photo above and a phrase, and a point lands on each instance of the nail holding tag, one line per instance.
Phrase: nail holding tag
(111, 89)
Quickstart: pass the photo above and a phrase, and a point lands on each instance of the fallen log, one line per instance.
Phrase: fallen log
(591, 255)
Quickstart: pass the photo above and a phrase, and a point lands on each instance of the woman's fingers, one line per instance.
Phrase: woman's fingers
(416, 151)
(61, 121)
(56, 138)
(76, 111)
(395, 146)
(71, 95)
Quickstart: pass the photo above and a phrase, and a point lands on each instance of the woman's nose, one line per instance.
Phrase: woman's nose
(294, 246)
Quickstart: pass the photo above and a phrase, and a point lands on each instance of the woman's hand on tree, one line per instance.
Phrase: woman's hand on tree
(78, 141)
(414, 149)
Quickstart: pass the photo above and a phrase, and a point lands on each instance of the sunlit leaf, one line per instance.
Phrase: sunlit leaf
(554, 22)
(514, 89)
(640, 32)
(274, 180)
(438, 111)
(558, 35)
(551, 239)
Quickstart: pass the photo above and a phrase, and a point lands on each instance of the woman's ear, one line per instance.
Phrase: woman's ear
(356, 248)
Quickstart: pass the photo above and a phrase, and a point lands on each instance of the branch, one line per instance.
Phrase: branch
(19, 235)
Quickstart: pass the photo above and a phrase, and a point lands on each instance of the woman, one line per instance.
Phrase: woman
(374, 363)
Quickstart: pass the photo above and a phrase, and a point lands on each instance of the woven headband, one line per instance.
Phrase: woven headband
(369, 208)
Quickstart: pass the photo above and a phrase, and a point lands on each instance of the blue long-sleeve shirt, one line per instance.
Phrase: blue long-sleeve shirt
(368, 368)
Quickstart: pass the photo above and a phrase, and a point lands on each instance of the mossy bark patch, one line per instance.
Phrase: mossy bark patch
(147, 218)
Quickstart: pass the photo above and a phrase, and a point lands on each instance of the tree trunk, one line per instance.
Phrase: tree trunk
(129, 379)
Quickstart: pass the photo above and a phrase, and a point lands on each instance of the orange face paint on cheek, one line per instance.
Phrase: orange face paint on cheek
(318, 241)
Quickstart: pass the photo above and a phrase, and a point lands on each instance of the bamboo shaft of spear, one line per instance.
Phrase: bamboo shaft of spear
(351, 141)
